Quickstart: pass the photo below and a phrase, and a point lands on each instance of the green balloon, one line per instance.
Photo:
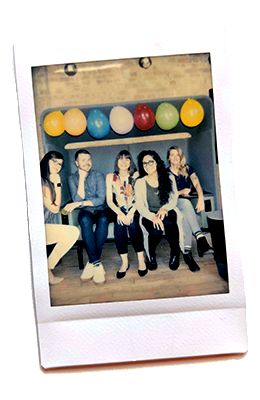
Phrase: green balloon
(167, 116)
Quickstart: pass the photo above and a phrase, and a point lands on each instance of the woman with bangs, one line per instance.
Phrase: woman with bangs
(121, 200)
(185, 177)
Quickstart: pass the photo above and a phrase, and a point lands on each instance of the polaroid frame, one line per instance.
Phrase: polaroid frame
(143, 330)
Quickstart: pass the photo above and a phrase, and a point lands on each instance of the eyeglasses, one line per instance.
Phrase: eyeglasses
(150, 163)
(57, 162)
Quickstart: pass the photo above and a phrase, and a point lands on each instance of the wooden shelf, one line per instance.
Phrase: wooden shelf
(130, 140)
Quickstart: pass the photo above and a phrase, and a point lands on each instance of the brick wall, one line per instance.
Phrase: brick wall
(118, 81)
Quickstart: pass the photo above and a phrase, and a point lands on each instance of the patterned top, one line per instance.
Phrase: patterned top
(124, 191)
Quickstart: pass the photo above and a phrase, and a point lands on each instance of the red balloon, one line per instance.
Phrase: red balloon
(144, 117)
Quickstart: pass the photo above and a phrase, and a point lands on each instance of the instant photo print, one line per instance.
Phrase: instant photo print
(80, 113)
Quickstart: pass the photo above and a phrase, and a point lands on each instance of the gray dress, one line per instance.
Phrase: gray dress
(49, 217)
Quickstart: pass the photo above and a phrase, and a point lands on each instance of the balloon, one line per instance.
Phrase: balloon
(192, 113)
(53, 123)
(121, 120)
(98, 124)
(75, 122)
(167, 116)
(144, 117)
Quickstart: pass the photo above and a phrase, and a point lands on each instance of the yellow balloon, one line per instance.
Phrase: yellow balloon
(192, 113)
(75, 122)
(53, 123)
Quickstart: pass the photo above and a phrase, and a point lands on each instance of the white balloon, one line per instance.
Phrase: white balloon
(121, 120)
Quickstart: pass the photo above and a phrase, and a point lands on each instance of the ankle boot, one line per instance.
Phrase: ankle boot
(193, 266)
(174, 262)
(203, 246)
(152, 263)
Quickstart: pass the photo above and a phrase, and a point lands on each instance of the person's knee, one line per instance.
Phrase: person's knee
(120, 230)
(103, 220)
(156, 232)
(186, 206)
(171, 218)
(85, 220)
(75, 232)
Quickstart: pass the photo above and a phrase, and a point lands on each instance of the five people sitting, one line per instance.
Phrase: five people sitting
(144, 204)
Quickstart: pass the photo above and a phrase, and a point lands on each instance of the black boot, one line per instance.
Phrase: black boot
(193, 266)
(203, 246)
(174, 262)
(152, 263)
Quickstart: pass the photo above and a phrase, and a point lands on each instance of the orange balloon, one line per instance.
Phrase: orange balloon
(192, 113)
(75, 122)
(53, 123)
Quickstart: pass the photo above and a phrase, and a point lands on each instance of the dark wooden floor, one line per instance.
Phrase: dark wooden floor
(162, 283)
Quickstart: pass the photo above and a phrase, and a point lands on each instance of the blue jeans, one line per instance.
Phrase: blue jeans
(93, 241)
(190, 222)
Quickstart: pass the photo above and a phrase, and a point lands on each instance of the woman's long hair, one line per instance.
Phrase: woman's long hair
(132, 168)
(45, 171)
(165, 183)
(183, 168)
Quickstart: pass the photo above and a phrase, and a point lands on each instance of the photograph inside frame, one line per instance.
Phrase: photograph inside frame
(130, 179)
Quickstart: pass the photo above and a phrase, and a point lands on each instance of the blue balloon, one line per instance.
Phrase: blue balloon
(97, 124)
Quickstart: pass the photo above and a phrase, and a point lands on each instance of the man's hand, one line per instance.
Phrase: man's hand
(82, 174)
(70, 207)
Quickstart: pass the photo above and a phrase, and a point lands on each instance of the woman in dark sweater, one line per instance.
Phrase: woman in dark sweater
(185, 176)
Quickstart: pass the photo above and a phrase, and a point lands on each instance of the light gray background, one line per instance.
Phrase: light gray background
(222, 377)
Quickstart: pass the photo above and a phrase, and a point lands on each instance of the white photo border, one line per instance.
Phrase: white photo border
(132, 330)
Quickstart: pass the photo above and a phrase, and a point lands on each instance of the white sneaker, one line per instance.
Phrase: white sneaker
(99, 274)
(88, 272)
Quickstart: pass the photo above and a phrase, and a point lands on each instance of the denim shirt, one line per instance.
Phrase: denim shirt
(95, 189)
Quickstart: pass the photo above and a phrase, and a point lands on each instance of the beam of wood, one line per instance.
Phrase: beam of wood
(130, 140)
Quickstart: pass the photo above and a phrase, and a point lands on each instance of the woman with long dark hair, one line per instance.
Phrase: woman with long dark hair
(63, 235)
(156, 199)
(120, 198)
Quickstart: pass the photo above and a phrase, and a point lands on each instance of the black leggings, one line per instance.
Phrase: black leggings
(171, 233)
(135, 233)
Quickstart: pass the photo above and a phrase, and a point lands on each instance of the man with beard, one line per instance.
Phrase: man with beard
(88, 189)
